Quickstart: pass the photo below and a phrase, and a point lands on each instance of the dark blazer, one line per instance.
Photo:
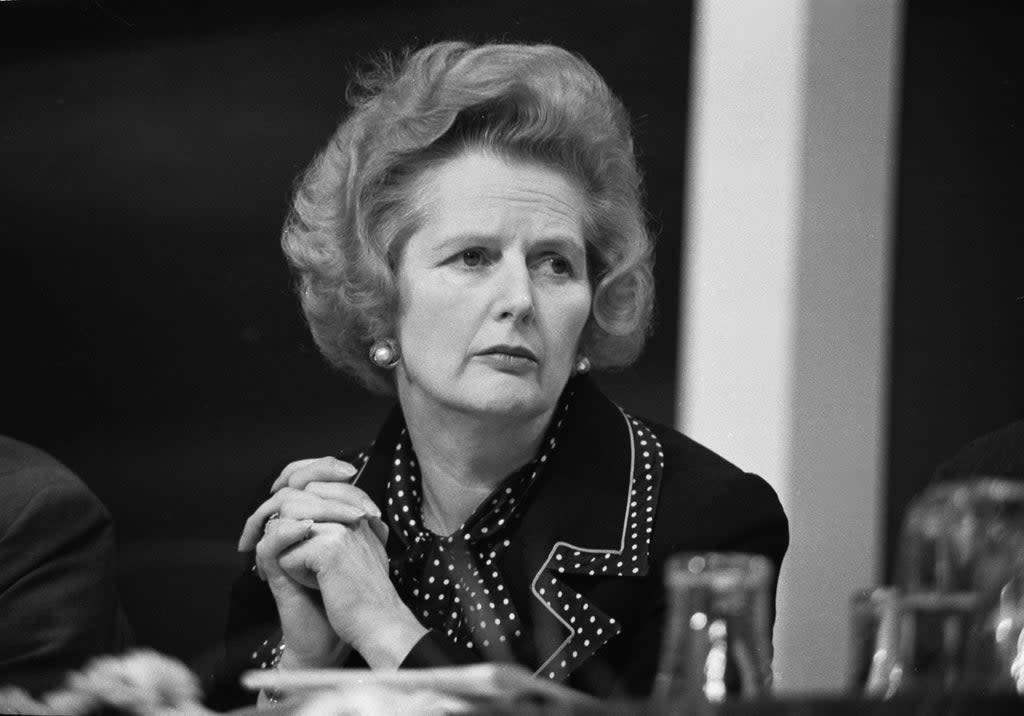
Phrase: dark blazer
(58, 598)
(619, 497)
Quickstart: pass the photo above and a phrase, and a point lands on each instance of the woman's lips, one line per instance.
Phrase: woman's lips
(509, 362)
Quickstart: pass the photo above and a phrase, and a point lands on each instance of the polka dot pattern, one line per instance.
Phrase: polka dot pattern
(453, 583)
(268, 654)
(589, 628)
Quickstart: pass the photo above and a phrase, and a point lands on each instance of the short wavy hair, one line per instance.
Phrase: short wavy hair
(356, 205)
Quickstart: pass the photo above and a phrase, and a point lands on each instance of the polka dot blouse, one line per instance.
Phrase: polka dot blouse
(453, 583)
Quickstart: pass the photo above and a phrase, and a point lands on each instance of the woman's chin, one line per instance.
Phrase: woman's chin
(513, 397)
(488, 394)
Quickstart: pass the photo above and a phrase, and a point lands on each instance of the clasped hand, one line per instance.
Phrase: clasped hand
(319, 543)
(316, 490)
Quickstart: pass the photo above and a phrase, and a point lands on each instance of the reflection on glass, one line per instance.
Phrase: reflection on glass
(873, 661)
(957, 620)
(964, 536)
(718, 631)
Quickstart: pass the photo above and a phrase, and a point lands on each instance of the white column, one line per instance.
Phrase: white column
(784, 314)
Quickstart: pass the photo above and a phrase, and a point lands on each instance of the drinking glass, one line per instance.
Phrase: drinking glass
(995, 657)
(965, 535)
(873, 660)
(963, 544)
(717, 640)
(912, 641)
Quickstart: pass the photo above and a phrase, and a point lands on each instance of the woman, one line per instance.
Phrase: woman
(472, 240)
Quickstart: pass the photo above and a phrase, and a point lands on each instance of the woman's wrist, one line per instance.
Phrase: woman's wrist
(294, 659)
(287, 659)
(272, 697)
(391, 639)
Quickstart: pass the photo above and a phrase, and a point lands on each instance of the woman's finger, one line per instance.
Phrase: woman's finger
(280, 534)
(310, 553)
(257, 521)
(343, 492)
(379, 528)
(322, 469)
(291, 467)
(351, 570)
(282, 537)
(283, 533)
(297, 505)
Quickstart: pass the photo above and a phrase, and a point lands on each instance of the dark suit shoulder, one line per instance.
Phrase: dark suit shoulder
(682, 451)
(16, 455)
(58, 599)
(706, 503)
(32, 481)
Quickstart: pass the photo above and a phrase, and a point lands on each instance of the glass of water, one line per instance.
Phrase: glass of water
(717, 641)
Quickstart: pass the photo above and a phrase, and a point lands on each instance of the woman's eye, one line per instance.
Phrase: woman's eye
(557, 265)
(560, 265)
(472, 258)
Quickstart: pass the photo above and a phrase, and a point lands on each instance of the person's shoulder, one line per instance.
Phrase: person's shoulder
(708, 503)
(690, 465)
(33, 480)
(17, 457)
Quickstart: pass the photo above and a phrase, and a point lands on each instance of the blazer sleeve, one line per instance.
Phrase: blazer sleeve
(433, 649)
(58, 595)
(725, 511)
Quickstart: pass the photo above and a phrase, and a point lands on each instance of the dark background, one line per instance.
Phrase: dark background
(957, 339)
(151, 338)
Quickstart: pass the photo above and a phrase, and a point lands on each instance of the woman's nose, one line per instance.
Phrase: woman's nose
(514, 299)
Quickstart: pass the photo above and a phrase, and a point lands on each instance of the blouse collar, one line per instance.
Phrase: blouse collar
(591, 513)
(454, 583)
(494, 516)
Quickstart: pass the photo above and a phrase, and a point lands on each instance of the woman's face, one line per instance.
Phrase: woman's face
(493, 289)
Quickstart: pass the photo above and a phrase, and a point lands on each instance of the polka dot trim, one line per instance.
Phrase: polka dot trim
(268, 654)
(589, 627)
(359, 463)
(453, 583)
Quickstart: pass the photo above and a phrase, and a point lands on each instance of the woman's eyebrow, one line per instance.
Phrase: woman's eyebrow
(564, 243)
(464, 239)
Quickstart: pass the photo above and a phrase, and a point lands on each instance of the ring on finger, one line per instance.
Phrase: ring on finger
(309, 530)
(266, 525)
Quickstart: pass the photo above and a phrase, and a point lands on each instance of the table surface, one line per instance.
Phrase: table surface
(934, 704)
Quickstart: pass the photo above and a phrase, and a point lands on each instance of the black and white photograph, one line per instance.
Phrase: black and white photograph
(582, 356)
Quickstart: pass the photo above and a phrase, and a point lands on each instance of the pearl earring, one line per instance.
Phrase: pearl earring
(583, 365)
(384, 353)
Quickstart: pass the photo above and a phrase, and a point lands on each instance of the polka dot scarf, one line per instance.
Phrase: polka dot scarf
(453, 583)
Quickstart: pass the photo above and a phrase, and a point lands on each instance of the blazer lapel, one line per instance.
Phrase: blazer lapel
(596, 508)
(589, 516)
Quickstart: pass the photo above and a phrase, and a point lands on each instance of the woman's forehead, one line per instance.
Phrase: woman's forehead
(481, 194)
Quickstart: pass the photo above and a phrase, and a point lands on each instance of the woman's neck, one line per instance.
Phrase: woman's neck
(463, 457)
